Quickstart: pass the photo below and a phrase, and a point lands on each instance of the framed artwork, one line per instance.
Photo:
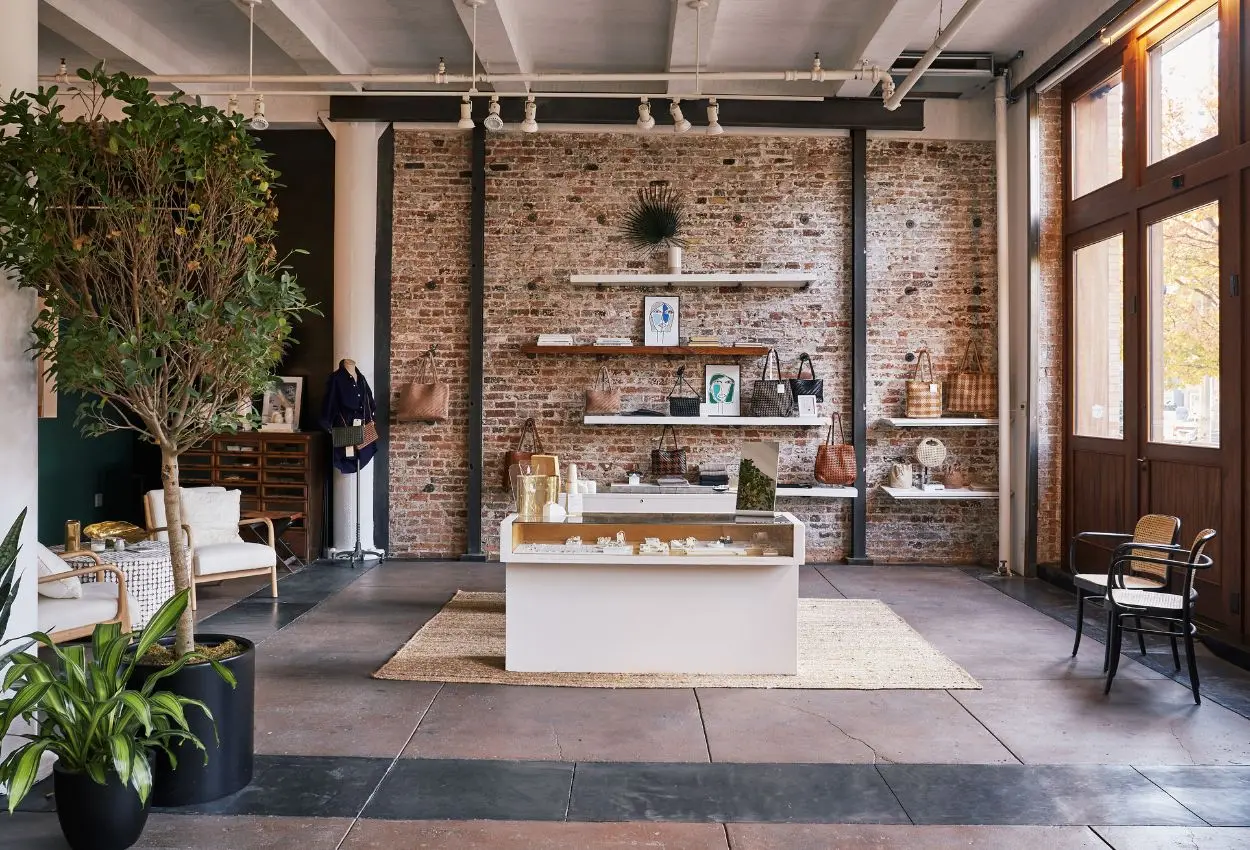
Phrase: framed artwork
(722, 387)
(807, 405)
(660, 320)
(280, 410)
(757, 479)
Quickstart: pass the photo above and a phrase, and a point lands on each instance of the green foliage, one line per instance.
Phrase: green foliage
(150, 238)
(656, 219)
(8, 574)
(87, 714)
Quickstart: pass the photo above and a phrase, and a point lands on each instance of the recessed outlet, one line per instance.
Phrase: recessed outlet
(99, 500)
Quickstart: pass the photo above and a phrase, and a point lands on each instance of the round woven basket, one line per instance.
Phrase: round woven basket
(931, 452)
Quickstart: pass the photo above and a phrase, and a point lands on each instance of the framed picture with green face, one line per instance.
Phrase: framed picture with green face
(722, 388)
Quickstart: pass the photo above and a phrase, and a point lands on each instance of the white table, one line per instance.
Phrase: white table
(600, 613)
(149, 574)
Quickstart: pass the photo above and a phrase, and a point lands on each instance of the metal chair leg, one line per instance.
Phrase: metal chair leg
(1114, 645)
(1141, 637)
(1193, 663)
(1176, 656)
(1080, 620)
(1106, 654)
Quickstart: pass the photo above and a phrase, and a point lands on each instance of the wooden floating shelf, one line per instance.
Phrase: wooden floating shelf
(908, 494)
(710, 421)
(779, 280)
(818, 492)
(943, 422)
(655, 350)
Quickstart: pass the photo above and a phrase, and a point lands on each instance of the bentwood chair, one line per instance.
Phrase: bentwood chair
(1171, 613)
(1153, 529)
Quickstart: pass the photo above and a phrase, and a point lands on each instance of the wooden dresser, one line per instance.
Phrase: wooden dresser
(275, 472)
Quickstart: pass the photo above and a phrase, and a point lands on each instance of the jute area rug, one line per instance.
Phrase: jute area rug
(854, 644)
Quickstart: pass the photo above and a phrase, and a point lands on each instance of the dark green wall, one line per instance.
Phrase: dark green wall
(73, 468)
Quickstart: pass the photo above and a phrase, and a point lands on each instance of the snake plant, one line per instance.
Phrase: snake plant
(8, 574)
(87, 714)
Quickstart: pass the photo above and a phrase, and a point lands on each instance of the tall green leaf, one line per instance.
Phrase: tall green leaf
(8, 572)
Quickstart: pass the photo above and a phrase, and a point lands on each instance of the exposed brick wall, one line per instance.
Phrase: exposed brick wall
(926, 252)
(554, 203)
(1050, 330)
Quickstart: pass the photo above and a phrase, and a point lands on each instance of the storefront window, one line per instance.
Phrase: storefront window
(1097, 136)
(1184, 86)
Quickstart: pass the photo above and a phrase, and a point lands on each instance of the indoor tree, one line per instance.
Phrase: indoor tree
(149, 237)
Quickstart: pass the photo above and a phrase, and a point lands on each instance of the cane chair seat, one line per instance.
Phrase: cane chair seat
(1149, 599)
(1098, 582)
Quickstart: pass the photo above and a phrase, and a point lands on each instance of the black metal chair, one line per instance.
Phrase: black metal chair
(1173, 612)
(1156, 529)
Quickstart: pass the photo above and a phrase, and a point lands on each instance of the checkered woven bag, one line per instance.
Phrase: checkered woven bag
(972, 390)
(924, 396)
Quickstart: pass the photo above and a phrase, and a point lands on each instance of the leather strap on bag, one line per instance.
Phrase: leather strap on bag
(804, 360)
(771, 356)
(680, 382)
(835, 421)
(530, 430)
(604, 381)
(427, 369)
(922, 359)
(972, 358)
(668, 431)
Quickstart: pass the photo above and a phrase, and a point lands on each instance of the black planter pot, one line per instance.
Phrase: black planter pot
(229, 766)
(94, 816)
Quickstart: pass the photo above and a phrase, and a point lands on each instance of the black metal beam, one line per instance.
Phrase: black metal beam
(1031, 500)
(828, 114)
(382, 338)
(859, 343)
(477, 347)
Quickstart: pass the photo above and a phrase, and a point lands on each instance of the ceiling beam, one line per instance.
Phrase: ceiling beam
(500, 49)
(881, 39)
(686, 23)
(308, 34)
(106, 28)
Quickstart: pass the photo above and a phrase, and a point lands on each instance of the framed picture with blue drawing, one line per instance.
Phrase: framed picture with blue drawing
(660, 321)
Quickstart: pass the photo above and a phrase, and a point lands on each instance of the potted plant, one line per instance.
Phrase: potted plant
(9, 580)
(102, 731)
(150, 239)
(655, 220)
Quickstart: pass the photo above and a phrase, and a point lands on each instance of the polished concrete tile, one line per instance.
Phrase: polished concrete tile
(533, 835)
(1055, 795)
(256, 620)
(813, 585)
(751, 836)
(466, 575)
(561, 724)
(1174, 837)
(339, 715)
(1218, 795)
(205, 832)
(844, 726)
(815, 793)
(1142, 721)
(431, 789)
(30, 831)
(305, 787)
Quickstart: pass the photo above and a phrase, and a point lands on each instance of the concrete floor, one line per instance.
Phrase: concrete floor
(1037, 758)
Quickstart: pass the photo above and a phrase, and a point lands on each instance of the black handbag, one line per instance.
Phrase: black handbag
(679, 405)
(771, 396)
(807, 386)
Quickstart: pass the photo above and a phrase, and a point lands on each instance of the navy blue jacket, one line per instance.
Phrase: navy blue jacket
(348, 399)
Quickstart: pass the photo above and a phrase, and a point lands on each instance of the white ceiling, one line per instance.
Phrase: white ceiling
(397, 36)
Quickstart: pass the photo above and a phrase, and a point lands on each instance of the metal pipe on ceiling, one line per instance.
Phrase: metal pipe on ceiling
(470, 79)
(939, 44)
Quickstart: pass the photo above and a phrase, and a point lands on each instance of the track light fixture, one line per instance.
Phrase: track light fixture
(259, 121)
(680, 124)
(232, 105)
(713, 118)
(466, 114)
(493, 122)
(645, 121)
(530, 124)
(440, 76)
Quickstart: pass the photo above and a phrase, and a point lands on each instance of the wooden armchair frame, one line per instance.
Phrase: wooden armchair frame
(99, 570)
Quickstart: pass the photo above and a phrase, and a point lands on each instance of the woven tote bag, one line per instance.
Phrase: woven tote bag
(924, 397)
(527, 446)
(835, 461)
(972, 390)
(807, 386)
(682, 405)
(603, 399)
(667, 460)
(425, 399)
(771, 396)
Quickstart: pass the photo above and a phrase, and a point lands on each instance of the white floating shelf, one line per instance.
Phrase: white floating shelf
(944, 422)
(907, 494)
(779, 280)
(710, 421)
(819, 492)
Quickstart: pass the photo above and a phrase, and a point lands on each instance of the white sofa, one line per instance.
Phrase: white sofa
(211, 524)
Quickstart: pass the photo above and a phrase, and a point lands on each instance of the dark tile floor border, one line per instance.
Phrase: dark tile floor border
(951, 794)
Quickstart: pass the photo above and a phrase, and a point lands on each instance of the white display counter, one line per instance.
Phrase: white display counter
(705, 607)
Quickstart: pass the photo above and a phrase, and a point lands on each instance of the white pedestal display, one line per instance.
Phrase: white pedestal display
(604, 613)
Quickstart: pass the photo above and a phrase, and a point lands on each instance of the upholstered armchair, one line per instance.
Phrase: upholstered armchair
(210, 528)
(70, 608)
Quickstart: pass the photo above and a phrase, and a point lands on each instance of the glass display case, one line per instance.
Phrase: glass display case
(614, 536)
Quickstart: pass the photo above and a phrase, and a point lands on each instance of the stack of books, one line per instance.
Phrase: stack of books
(555, 339)
(703, 341)
(614, 340)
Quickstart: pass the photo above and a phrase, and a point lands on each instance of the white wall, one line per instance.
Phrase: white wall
(1064, 21)
(19, 443)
